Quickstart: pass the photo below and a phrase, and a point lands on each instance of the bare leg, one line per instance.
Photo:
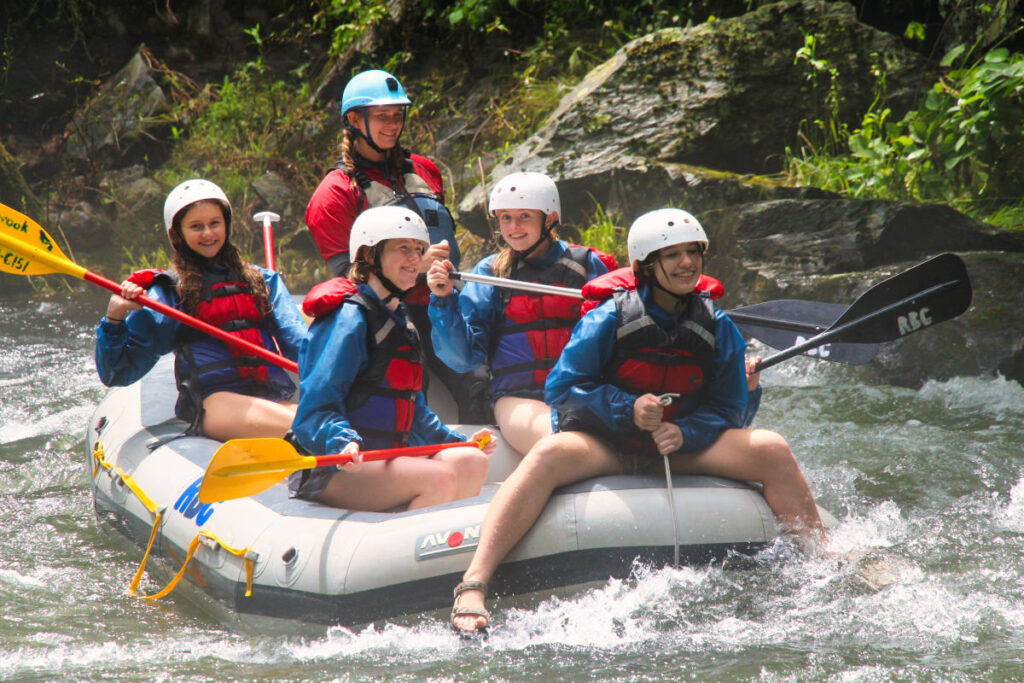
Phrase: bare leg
(763, 456)
(386, 484)
(555, 460)
(470, 465)
(523, 421)
(236, 416)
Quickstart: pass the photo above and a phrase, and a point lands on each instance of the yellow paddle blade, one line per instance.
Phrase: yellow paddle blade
(245, 467)
(26, 249)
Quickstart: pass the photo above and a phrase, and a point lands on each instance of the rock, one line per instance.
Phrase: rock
(724, 95)
(117, 125)
(1012, 367)
(791, 239)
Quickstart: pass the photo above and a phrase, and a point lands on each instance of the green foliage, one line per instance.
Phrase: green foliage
(947, 149)
(139, 258)
(251, 123)
(825, 132)
(603, 233)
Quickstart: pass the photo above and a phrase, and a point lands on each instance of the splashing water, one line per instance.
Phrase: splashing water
(931, 478)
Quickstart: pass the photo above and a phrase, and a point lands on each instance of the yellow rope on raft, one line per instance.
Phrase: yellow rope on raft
(247, 554)
(133, 486)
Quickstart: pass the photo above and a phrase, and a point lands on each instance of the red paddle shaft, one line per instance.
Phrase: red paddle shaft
(186, 319)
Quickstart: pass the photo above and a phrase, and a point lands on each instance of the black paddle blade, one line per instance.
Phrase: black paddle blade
(927, 294)
(788, 322)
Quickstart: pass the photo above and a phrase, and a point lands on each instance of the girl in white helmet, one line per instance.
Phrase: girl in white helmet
(518, 334)
(362, 378)
(609, 387)
(223, 393)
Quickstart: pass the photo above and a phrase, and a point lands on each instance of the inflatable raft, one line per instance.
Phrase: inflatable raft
(274, 556)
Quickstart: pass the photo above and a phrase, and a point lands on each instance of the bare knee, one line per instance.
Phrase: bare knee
(773, 452)
(474, 466)
(441, 482)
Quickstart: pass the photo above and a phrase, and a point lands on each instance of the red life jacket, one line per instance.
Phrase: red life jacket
(600, 288)
(536, 327)
(381, 401)
(204, 365)
(649, 359)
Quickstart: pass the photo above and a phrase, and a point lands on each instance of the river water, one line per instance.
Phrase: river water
(933, 477)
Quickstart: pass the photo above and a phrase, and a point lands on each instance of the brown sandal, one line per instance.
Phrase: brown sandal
(458, 611)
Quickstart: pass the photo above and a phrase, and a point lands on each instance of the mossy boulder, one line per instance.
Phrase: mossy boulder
(726, 95)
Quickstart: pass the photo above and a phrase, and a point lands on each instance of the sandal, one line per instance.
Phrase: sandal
(458, 611)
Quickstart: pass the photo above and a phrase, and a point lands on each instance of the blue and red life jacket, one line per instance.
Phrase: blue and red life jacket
(381, 400)
(649, 359)
(205, 365)
(536, 327)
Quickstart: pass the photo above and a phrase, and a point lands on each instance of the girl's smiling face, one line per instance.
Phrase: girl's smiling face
(400, 261)
(386, 124)
(679, 267)
(520, 228)
(204, 229)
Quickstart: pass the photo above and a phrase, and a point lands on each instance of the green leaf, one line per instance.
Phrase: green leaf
(951, 56)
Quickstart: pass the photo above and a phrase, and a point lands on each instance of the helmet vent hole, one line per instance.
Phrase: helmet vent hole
(392, 84)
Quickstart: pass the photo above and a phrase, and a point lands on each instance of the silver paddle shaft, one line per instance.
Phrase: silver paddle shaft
(535, 287)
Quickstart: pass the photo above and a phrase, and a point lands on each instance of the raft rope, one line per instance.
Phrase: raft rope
(672, 509)
(249, 555)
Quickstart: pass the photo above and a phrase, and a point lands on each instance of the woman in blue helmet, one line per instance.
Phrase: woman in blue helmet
(374, 170)
(611, 386)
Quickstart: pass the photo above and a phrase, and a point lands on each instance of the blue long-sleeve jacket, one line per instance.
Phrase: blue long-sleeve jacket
(577, 382)
(333, 354)
(463, 322)
(127, 351)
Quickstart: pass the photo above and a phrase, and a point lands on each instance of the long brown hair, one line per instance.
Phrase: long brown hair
(189, 265)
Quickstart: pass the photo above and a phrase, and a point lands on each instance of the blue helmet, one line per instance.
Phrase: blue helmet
(372, 89)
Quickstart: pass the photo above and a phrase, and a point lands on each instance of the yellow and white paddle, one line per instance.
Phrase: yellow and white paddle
(245, 467)
(26, 249)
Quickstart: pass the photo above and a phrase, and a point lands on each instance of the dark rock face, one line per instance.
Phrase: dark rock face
(115, 127)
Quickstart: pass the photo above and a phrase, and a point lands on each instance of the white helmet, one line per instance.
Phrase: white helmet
(525, 190)
(662, 228)
(190, 192)
(386, 223)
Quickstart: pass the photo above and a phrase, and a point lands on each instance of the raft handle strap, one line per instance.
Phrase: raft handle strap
(248, 555)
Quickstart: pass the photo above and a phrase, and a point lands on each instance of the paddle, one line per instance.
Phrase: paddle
(268, 218)
(26, 249)
(779, 324)
(787, 322)
(927, 294)
(245, 467)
